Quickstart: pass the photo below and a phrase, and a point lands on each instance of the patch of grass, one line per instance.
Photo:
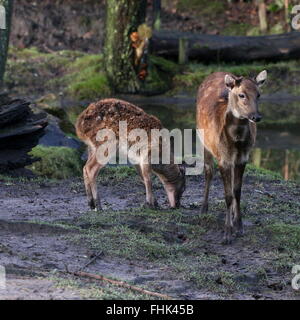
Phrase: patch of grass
(62, 225)
(168, 239)
(262, 173)
(203, 271)
(97, 289)
(117, 173)
(277, 73)
(150, 234)
(75, 74)
(208, 220)
(32, 71)
(86, 79)
(10, 180)
(286, 236)
(56, 162)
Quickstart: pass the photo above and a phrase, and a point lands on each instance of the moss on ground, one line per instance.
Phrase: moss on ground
(86, 79)
(56, 162)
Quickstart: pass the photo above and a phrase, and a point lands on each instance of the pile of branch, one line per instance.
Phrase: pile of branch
(20, 131)
(206, 48)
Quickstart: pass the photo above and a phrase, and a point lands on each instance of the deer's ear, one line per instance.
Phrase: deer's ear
(261, 78)
(229, 81)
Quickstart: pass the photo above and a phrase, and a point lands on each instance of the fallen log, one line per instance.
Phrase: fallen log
(207, 48)
(20, 131)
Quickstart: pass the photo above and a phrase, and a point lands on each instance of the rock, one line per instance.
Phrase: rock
(20, 131)
(50, 104)
(54, 136)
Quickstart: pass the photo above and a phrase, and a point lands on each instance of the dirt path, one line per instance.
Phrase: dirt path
(46, 226)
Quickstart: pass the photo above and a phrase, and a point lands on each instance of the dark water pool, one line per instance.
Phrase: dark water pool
(278, 140)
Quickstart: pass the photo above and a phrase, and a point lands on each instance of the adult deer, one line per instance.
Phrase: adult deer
(107, 114)
(227, 110)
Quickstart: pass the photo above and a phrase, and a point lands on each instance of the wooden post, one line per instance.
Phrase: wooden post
(286, 165)
(262, 14)
(183, 51)
(156, 14)
(256, 157)
(286, 15)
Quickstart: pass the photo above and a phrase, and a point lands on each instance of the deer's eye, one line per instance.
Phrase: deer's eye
(258, 95)
(242, 96)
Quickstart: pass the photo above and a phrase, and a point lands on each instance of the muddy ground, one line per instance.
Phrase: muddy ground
(46, 229)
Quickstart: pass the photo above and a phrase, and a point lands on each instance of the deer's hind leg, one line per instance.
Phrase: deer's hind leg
(227, 173)
(90, 173)
(237, 186)
(209, 172)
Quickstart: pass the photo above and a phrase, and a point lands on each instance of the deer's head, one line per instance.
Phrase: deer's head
(176, 187)
(244, 94)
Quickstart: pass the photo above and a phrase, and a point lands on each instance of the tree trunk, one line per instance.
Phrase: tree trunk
(262, 14)
(208, 48)
(4, 36)
(122, 18)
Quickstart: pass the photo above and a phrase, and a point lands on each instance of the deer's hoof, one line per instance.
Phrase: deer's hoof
(238, 228)
(98, 209)
(92, 204)
(239, 233)
(148, 205)
(226, 241)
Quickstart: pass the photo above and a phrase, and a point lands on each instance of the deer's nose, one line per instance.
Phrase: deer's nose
(255, 117)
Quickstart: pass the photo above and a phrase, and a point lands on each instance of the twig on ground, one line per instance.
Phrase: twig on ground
(121, 284)
(91, 261)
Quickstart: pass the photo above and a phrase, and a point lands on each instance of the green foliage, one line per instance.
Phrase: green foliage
(277, 28)
(56, 162)
(276, 6)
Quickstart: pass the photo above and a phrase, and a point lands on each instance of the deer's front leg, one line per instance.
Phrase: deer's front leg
(237, 186)
(145, 171)
(227, 177)
(90, 173)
